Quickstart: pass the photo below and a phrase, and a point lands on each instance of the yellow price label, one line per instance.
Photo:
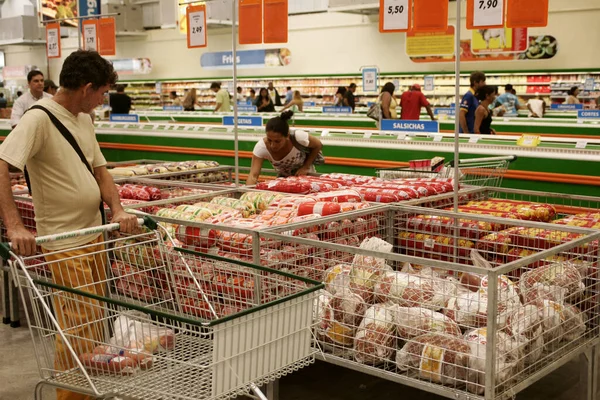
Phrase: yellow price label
(529, 140)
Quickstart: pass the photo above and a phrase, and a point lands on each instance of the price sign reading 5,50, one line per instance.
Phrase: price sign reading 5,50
(396, 15)
(488, 13)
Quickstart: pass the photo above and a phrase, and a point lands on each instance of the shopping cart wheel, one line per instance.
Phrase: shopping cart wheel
(5, 320)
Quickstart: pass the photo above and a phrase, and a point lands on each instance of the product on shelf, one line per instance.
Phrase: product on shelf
(161, 168)
(375, 338)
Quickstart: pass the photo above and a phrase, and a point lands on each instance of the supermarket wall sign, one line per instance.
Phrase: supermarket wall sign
(260, 58)
(399, 125)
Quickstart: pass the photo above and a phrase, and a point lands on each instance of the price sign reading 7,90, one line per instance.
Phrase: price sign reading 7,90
(394, 15)
(488, 13)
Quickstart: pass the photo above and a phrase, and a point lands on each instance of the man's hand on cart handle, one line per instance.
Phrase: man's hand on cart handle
(128, 222)
(22, 241)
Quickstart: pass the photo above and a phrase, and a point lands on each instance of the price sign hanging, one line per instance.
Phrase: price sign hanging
(395, 15)
(196, 22)
(485, 14)
(90, 35)
(53, 40)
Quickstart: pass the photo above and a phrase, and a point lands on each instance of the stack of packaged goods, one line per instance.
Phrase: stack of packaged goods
(368, 188)
(147, 170)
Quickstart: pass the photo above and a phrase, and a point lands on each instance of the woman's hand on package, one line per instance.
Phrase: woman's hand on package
(302, 171)
(22, 241)
(128, 222)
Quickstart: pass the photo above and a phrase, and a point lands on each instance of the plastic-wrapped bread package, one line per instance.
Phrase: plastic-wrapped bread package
(323, 312)
(525, 325)
(337, 278)
(437, 358)
(261, 200)
(507, 356)
(416, 321)
(342, 315)
(554, 276)
(424, 288)
(245, 207)
(367, 270)
(560, 322)
(218, 209)
(375, 340)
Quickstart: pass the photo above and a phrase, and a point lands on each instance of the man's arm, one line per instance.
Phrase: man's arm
(430, 112)
(23, 241)
(218, 107)
(462, 119)
(110, 195)
(17, 112)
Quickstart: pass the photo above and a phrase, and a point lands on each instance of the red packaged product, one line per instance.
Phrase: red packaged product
(321, 208)
(341, 196)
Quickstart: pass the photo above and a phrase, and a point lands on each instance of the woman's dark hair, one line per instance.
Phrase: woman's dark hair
(82, 67)
(389, 87)
(572, 90)
(280, 124)
(341, 90)
(485, 91)
(252, 91)
(260, 93)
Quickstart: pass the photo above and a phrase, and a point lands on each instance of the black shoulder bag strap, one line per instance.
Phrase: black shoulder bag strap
(69, 137)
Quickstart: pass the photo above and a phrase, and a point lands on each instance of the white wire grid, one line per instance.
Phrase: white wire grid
(182, 325)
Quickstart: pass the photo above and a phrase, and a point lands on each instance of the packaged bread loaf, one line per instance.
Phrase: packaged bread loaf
(561, 275)
(245, 207)
(525, 325)
(416, 321)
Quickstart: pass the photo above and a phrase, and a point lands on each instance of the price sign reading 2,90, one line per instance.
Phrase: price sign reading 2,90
(488, 13)
(395, 15)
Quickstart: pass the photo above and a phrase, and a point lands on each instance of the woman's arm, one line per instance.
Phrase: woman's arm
(255, 169)
(386, 100)
(315, 147)
(479, 117)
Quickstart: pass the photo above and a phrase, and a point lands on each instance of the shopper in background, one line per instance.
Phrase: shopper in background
(222, 98)
(263, 102)
(35, 80)
(572, 98)
(536, 107)
(175, 100)
(274, 94)
(296, 104)
(290, 153)
(508, 101)
(349, 99)
(339, 96)
(598, 103)
(289, 95)
(190, 100)
(411, 102)
(486, 96)
(239, 97)
(3, 101)
(50, 87)
(388, 102)
(120, 103)
(469, 103)
(67, 196)
(251, 96)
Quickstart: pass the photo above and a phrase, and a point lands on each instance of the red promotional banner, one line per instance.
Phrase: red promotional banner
(527, 13)
(53, 49)
(107, 37)
(275, 21)
(250, 21)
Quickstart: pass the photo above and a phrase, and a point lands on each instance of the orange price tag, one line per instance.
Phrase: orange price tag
(485, 14)
(527, 13)
(430, 15)
(90, 34)
(395, 15)
(196, 24)
(53, 40)
(107, 37)
(275, 21)
(250, 21)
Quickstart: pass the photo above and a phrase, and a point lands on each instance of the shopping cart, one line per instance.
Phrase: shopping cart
(162, 322)
(485, 171)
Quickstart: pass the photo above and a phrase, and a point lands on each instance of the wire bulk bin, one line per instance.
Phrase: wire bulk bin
(447, 307)
(486, 171)
(164, 322)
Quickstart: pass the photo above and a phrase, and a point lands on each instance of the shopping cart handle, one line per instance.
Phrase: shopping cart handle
(5, 247)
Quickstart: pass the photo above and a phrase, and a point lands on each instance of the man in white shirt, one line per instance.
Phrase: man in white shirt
(536, 107)
(35, 80)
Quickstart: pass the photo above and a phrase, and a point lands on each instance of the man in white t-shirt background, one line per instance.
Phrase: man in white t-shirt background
(35, 80)
(536, 107)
